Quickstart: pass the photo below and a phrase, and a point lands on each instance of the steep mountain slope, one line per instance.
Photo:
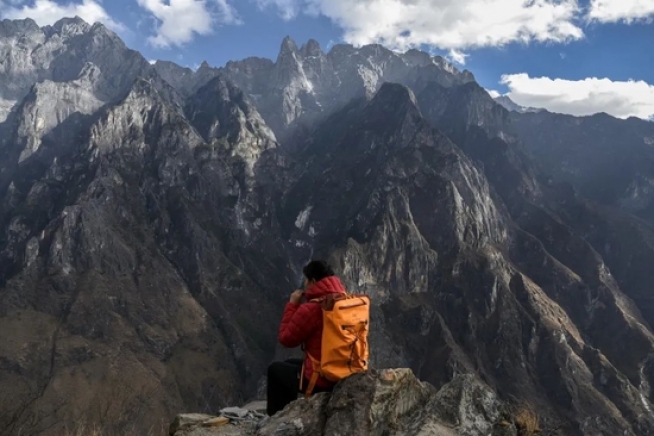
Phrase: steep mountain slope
(465, 287)
(606, 159)
(573, 230)
(120, 274)
(154, 220)
(58, 53)
(125, 244)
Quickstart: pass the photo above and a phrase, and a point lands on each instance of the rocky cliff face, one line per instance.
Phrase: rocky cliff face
(390, 401)
(617, 173)
(305, 84)
(59, 53)
(154, 220)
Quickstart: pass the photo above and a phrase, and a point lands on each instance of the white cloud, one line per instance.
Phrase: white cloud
(628, 11)
(493, 93)
(288, 9)
(447, 24)
(48, 12)
(178, 21)
(582, 97)
(457, 56)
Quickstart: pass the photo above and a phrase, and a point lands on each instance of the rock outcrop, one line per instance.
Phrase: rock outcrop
(389, 402)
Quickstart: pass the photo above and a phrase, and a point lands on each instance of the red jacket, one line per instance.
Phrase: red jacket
(302, 324)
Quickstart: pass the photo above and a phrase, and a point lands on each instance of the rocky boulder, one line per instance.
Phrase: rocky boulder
(379, 402)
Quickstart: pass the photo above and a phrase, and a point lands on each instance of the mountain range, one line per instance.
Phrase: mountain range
(154, 220)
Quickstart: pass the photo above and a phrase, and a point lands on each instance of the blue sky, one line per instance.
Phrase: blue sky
(571, 56)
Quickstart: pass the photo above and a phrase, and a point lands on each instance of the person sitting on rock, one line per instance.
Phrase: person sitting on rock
(302, 325)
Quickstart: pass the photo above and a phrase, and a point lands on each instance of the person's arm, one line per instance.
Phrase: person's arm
(298, 324)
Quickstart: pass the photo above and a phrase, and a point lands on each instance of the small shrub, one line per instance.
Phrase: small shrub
(526, 421)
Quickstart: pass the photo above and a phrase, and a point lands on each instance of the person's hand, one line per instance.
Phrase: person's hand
(296, 297)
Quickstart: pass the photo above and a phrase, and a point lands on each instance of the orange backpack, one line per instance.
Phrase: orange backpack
(345, 321)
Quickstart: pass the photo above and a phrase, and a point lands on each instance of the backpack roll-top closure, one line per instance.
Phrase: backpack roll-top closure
(329, 301)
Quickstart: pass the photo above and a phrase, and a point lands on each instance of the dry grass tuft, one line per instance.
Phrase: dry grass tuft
(527, 422)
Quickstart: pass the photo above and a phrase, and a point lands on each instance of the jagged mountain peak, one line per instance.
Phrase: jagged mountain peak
(166, 63)
(470, 106)
(144, 119)
(287, 46)
(71, 26)
(220, 110)
(311, 48)
(60, 53)
(172, 72)
(417, 57)
(473, 91)
(304, 84)
(221, 89)
(65, 28)
(18, 27)
(395, 98)
(154, 88)
(289, 64)
(67, 21)
(183, 79)
(510, 105)
(340, 49)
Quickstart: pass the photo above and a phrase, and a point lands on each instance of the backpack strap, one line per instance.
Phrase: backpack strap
(314, 376)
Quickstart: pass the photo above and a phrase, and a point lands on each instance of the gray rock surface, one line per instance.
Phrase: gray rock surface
(53, 104)
(584, 152)
(305, 84)
(386, 402)
(60, 53)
